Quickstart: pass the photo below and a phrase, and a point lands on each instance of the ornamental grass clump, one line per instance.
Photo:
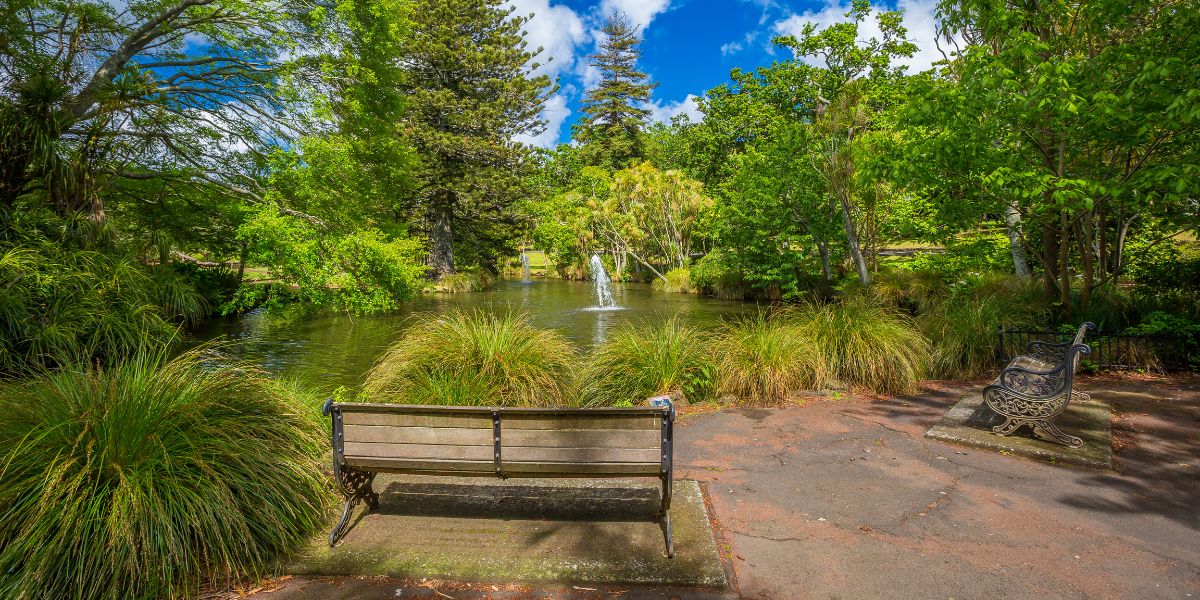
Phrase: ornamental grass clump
(963, 327)
(647, 359)
(763, 359)
(475, 358)
(153, 478)
(866, 343)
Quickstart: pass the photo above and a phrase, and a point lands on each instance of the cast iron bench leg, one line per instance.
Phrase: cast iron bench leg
(664, 517)
(358, 485)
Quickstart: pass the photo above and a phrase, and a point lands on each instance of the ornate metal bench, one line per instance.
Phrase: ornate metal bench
(468, 441)
(1036, 387)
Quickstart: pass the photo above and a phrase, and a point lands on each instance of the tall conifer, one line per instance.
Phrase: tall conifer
(612, 123)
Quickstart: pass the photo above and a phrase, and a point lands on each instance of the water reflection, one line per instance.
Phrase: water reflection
(334, 349)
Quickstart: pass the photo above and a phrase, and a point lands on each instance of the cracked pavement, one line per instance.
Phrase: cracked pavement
(848, 499)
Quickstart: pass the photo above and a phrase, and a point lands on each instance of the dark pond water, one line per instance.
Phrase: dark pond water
(330, 350)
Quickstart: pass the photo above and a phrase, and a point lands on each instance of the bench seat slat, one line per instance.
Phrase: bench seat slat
(547, 438)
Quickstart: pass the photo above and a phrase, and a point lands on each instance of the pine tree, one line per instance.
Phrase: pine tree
(611, 127)
(470, 91)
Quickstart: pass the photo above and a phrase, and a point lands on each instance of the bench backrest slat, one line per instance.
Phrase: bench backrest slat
(388, 437)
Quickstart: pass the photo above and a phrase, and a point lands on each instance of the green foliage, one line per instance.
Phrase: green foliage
(652, 215)
(715, 274)
(677, 280)
(972, 254)
(475, 358)
(763, 360)
(916, 291)
(361, 271)
(964, 327)
(152, 478)
(62, 305)
(866, 343)
(643, 360)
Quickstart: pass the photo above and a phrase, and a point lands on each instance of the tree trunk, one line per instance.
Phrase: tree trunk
(1012, 221)
(826, 268)
(1089, 261)
(1064, 264)
(860, 264)
(441, 237)
(1049, 260)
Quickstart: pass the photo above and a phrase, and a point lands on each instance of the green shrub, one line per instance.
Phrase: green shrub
(470, 279)
(677, 280)
(60, 306)
(763, 360)
(866, 343)
(978, 252)
(915, 291)
(639, 361)
(151, 478)
(716, 275)
(475, 358)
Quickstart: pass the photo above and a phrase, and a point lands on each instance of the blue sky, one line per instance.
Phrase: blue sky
(688, 46)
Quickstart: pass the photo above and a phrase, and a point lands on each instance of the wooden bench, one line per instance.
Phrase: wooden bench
(1037, 386)
(469, 441)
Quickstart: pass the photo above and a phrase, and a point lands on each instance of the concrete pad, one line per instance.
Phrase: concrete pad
(548, 530)
(970, 423)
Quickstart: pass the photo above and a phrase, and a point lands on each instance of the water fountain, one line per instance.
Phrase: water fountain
(602, 285)
(524, 268)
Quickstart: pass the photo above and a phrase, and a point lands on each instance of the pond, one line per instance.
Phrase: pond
(330, 350)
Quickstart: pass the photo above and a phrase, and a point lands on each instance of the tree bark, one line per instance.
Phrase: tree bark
(1049, 260)
(1064, 264)
(860, 264)
(1012, 221)
(826, 268)
(441, 237)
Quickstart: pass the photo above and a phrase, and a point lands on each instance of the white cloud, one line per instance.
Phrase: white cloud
(731, 48)
(557, 29)
(919, 19)
(663, 113)
(554, 113)
(640, 12)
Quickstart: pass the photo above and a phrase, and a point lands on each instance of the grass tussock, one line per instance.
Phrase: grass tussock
(915, 291)
(677, 281)
(475, 358)
(762, 360)
(963, 327)
(866, 343)
(466, 280)
(639, 361)
(152, 478)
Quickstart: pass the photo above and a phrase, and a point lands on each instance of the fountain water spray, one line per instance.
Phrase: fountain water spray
(601, 284)
(524, 267)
